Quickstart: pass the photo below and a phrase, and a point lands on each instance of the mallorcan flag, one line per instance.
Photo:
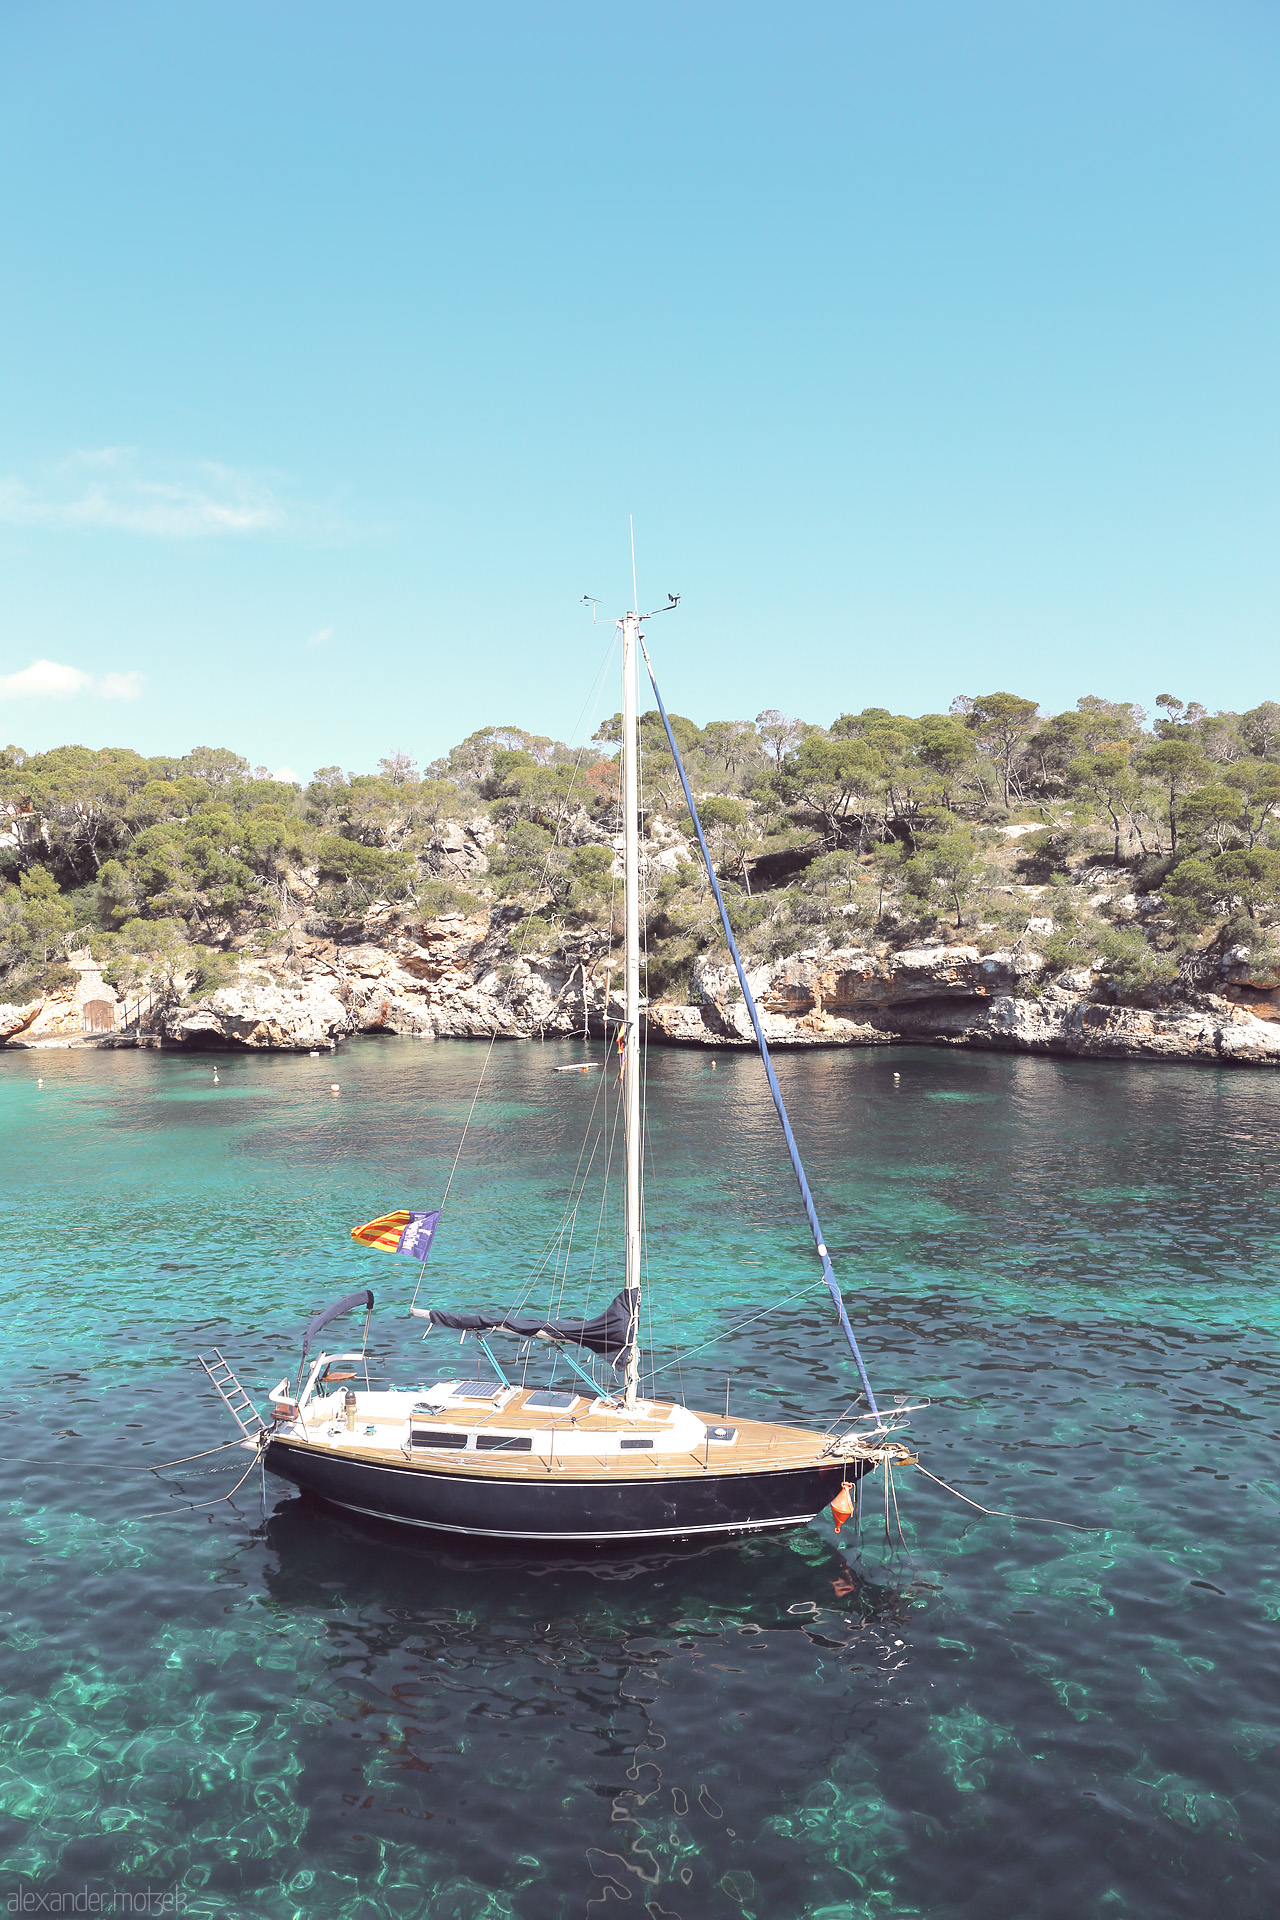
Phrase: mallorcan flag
(400, 1232)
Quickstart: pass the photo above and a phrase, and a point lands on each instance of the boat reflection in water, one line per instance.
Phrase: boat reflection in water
(581, 1726)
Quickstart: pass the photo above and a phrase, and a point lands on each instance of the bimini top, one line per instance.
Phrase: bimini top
(608, 1334)
(360, 1298)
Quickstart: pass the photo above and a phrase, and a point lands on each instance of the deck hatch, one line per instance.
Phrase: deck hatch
(544, 1401)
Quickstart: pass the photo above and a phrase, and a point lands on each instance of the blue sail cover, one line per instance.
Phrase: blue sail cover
(608, 1334)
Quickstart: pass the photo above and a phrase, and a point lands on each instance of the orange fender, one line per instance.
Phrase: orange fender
(842, 1506)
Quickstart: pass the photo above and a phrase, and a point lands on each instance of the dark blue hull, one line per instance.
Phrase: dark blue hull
(615, 1506)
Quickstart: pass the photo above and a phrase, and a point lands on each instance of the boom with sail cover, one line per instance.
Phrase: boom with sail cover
(609, 1334)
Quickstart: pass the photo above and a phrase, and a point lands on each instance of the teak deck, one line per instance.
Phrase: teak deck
(761, 1445)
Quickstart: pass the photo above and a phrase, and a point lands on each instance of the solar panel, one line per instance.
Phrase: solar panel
(475, 1389)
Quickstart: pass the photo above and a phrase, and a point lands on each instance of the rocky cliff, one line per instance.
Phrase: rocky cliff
(955, 996)
(464, 976)
(458, 976)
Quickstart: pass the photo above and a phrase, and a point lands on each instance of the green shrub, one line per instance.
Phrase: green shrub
(438, 896)
(1069, 946)
(1131, 965)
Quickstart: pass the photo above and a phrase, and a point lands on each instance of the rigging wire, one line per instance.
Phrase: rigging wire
(774, 1089)
(577, 1192)
(610, 1124)
(557, 1250)
(561, 1279)
(560, 1276)
(610, 1117)
(819, 1286)
(592, 697)
(588, 704)
(642, 1041)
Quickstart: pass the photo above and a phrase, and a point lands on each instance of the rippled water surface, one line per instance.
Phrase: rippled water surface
(302, 1714)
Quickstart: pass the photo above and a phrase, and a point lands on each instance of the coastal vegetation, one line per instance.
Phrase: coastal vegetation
(1143, 849)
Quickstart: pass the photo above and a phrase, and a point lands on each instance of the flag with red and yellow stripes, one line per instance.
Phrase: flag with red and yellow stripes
(403, 1231)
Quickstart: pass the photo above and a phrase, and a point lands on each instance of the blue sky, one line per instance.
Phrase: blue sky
(932, 347)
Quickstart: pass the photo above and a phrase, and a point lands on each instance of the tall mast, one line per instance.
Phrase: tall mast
(631, 1030)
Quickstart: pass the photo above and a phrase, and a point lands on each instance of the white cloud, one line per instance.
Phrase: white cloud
(114, 488)
(288, 775)
(318, 639)
(51, 680)
(43, 680)
(120, 686)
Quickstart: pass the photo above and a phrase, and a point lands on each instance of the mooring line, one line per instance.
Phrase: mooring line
(195, 1505)
(164, 1464)
(119, 1466)
(996, 1513)
(897, 1516)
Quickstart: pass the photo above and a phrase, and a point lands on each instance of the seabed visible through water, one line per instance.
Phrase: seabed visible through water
(299, 1713)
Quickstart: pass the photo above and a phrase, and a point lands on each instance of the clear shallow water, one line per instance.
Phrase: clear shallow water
(308, 1715)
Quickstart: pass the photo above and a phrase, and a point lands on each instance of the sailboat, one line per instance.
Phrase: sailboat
(592, 1461)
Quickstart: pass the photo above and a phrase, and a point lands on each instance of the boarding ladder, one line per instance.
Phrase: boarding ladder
(233, 1396)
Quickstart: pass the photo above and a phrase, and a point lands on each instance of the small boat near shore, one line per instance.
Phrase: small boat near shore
(585, 1457)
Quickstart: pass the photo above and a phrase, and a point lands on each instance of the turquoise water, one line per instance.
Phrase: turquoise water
(302, 1714)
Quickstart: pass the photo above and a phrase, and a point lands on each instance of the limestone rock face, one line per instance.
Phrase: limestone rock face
(663, 850)
(55, 1020)
(63, 1019)
(957, 997)
(457, 849)
(454, 976)
(849, 979)
(258, 1016)
(16, 1020)
(463, 975)
(837, 995)
(711, 1025)
(1248, 983)
(1064, 1023)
